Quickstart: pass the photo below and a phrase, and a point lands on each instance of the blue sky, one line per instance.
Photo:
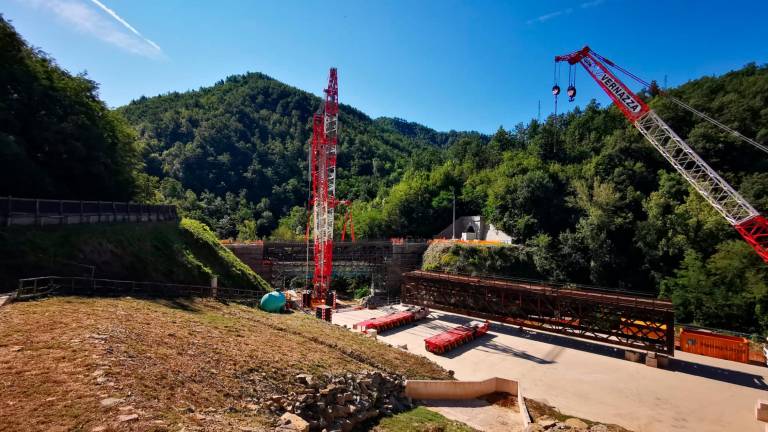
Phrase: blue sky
(464, 65)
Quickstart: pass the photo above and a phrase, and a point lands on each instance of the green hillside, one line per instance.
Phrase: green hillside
(186, 252)
(57, 138)
(237, 150)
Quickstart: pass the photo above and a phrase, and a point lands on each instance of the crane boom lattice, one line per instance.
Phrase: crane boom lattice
(701, 176)
(752, 226)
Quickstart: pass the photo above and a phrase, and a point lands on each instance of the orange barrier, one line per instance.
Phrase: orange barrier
(715, 345)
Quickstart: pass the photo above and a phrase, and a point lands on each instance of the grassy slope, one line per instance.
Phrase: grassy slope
(185, 252)
(418, 420)
(196, 363)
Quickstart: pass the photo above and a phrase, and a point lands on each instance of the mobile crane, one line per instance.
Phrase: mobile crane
(752, 226)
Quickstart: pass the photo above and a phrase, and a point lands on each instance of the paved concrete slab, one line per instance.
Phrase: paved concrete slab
(478, 414)
(591, 380)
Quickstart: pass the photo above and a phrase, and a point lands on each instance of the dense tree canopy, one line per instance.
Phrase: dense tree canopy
(57, 139)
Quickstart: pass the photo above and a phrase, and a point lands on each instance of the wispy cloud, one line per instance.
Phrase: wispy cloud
(125, 24)
(548, 16)
(89, 18)
(592, 3)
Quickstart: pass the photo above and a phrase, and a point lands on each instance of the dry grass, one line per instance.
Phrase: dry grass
(195, 364)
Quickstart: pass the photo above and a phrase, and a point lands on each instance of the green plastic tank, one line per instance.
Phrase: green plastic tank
(272, 302)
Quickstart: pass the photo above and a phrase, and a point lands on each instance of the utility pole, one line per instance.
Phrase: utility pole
(453, 224)
(538, 117)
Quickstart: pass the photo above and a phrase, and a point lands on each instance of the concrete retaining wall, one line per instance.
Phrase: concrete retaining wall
(460, 390)
(26, 211)
(457, 390)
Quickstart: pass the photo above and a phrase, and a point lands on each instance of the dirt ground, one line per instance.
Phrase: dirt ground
(127, 364)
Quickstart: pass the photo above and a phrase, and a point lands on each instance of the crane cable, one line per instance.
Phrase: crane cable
(715, 122)
(684, 105)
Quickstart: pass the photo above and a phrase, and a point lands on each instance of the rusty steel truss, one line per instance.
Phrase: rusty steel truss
(612, 317)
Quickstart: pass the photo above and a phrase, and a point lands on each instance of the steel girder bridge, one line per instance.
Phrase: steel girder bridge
(617, 318)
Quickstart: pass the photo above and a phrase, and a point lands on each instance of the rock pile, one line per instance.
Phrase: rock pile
(339, 403)
(549, 424)
(370, 301)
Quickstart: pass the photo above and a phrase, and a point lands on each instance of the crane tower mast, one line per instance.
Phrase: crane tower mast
(752, 226)
(323, 199)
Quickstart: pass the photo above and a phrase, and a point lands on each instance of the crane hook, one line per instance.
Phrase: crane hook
(571, 92)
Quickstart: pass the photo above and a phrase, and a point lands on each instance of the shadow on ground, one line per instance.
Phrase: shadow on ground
(719, 374)
(181, 303)
(488, 344)
(561, 343)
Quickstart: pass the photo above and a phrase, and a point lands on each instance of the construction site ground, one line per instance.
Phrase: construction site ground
(592, 380)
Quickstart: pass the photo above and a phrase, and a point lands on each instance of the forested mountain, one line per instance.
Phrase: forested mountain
(425, 135)
(57, 139)
(235, 154)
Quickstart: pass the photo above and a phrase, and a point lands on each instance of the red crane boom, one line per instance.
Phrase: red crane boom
(752, 226)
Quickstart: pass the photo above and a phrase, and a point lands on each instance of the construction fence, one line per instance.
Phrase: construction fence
(60, 285)
(30, 211)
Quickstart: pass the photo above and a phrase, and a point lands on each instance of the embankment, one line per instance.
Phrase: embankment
(172, 252)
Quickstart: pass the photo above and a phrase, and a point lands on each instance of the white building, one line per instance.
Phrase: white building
(473, 228)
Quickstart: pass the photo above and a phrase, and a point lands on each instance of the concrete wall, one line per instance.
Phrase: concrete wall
(494, 234)
(25, 211)
(458, 390)
(461, 390)
(482, 230)
(385, 261)
(45, 220)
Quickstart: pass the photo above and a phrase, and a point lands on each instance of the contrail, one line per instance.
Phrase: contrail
(114, 15)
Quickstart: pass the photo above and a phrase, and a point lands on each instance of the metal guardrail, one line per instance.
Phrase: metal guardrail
(30, 211)
(39, 286)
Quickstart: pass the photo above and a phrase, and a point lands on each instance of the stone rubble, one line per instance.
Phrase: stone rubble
(339, 403)
(548, 424)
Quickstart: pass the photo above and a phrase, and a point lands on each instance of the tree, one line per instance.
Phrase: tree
(57, 135)
(729, 290)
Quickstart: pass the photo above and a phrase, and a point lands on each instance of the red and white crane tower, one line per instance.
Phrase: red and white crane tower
(752, 226)
(323, 200)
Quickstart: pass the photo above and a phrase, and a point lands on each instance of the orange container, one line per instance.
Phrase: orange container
(715, 345)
